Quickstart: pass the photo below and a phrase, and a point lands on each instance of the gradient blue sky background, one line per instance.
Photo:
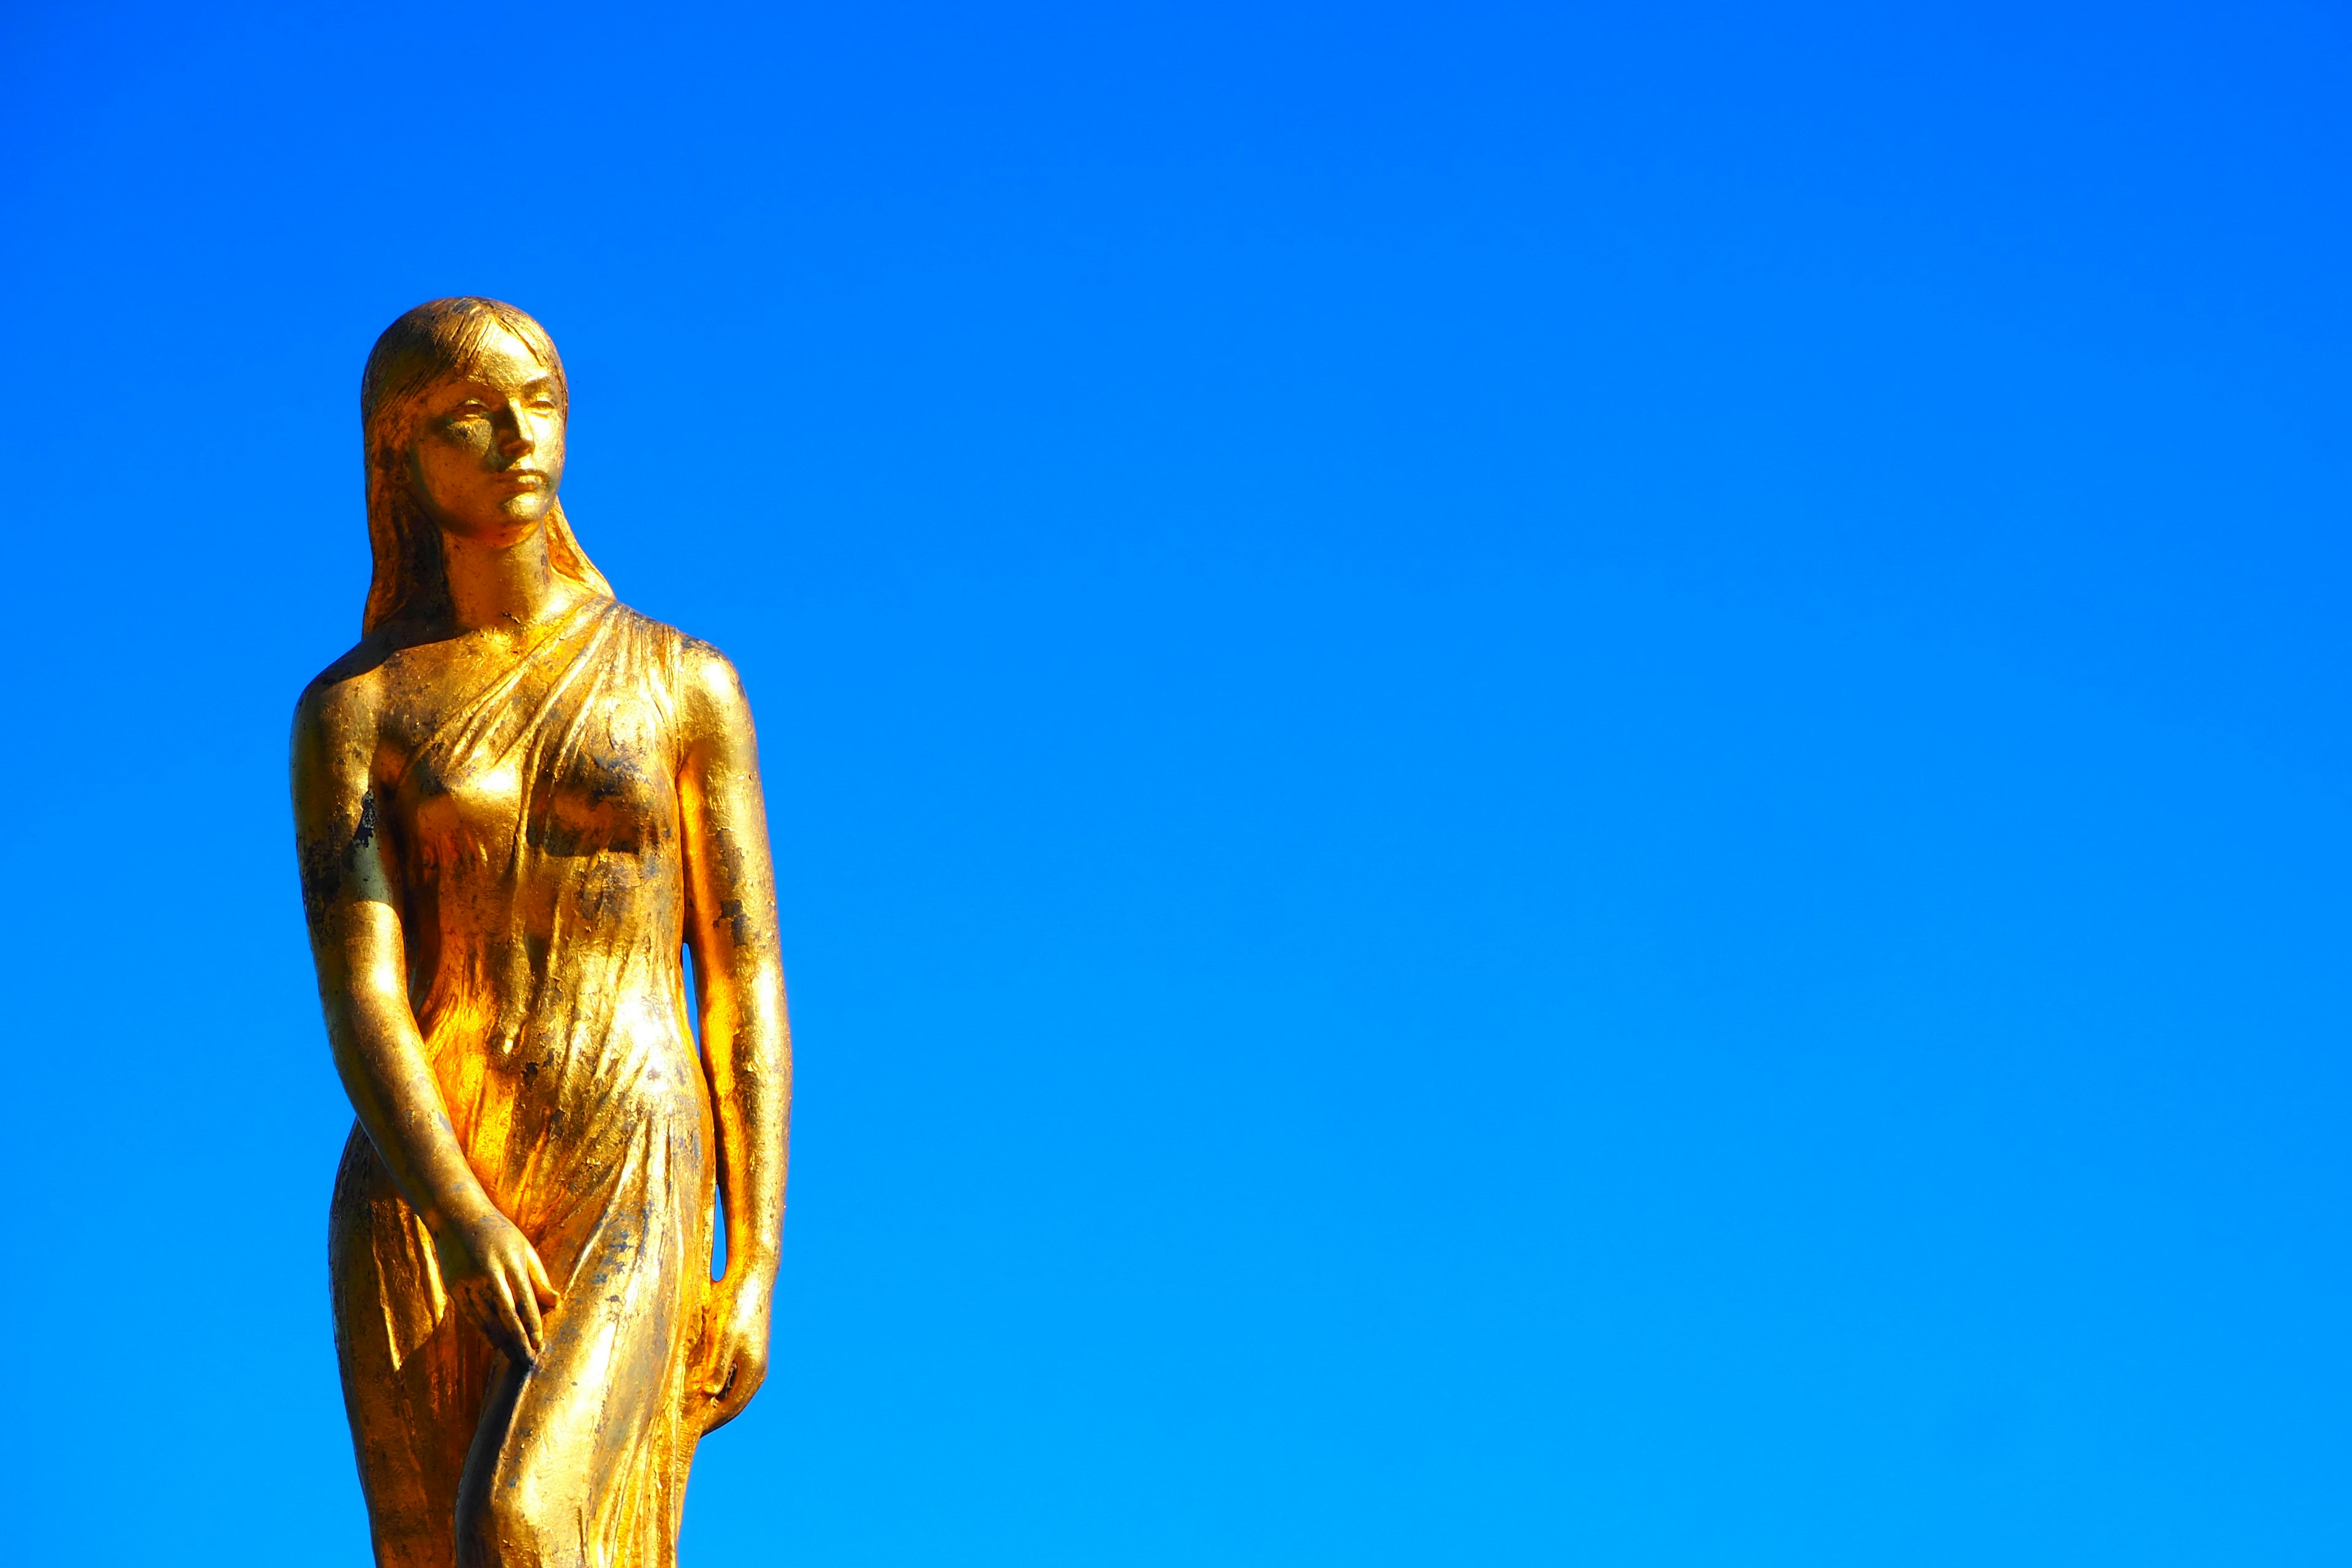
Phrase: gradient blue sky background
(1555, 784)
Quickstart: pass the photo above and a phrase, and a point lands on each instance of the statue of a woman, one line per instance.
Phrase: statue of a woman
(515, 801)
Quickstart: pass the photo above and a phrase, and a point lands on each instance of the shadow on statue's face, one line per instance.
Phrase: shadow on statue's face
(488, 454)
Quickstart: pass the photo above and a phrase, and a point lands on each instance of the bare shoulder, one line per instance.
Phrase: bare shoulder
(337, 710)
(710, 677)
(713, 710)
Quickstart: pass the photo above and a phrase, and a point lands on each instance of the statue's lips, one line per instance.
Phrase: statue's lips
(525, 478)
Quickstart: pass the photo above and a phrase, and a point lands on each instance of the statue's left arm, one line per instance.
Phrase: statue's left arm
(730, 928)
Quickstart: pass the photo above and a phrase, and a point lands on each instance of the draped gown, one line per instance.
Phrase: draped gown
(537, 829)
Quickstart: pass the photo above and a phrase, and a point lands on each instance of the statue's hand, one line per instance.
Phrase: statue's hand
(735, 1362)
(495, 1277)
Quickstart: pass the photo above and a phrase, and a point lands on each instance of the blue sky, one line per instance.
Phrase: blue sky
(1554, 784)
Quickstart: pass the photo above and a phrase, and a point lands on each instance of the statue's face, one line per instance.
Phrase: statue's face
(490, 451)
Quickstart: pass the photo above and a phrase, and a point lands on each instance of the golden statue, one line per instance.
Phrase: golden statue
(515, 801)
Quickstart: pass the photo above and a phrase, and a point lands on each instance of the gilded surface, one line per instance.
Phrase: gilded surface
(516, 802)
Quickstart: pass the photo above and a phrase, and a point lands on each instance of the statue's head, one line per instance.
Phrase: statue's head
(463, 405)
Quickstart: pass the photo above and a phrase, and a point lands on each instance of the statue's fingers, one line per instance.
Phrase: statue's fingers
(740, 1388)
(510, 1322)
(717, 1414)
(547, 1293)
(527, 1303)
(732, 1399)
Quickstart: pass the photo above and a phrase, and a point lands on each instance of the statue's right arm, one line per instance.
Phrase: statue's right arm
(351, 897)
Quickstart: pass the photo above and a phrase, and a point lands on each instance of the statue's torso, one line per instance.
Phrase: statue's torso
(530, 796)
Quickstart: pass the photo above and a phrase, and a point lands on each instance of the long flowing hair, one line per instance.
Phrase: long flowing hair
(439, 338)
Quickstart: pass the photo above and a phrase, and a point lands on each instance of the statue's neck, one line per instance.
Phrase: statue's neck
(504, 586)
